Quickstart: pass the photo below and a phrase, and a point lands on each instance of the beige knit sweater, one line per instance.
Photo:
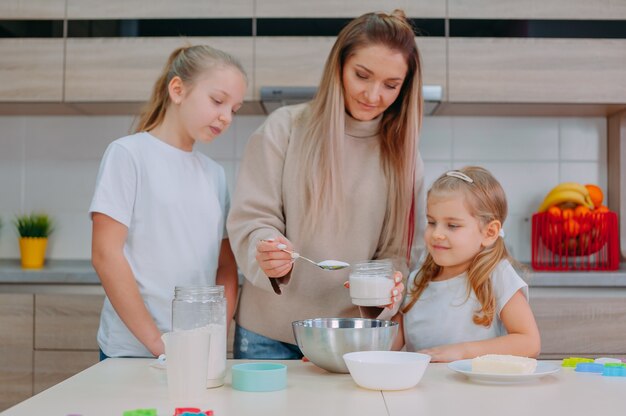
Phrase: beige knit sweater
(266, 203)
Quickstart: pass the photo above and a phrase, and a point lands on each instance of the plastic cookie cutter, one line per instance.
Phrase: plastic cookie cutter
(572, 361)
(608, 360)
(140, 412)
(614, 370)
(589, 368)
(191, 411)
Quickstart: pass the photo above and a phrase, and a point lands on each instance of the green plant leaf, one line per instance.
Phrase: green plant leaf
(33, 225)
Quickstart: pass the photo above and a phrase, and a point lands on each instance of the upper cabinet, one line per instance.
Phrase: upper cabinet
(537, 9)
(532, 70)
(348, 8)
(136, 9)
(31, 69)
(479, 51)
(32, 9)
(124, 69)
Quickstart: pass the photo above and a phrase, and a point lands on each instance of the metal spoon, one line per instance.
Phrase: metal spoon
(326, 264)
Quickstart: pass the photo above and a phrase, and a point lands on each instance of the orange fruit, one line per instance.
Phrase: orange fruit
(568, 213)
(555, 212)
(596, 194)
(571, 227)
(601, 208)
(581, 211)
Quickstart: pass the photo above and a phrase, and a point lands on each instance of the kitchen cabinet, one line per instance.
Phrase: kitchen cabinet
(537, 9)
(32, 9)
(31, 69)
(534, 70)
(16, 348)
(123, 9)
(588, 322)
(124, 69)
(348, 8)
(299, 61)
(44, 339)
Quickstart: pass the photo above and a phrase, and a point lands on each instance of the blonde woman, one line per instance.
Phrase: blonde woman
(467, 300)
(338, 178)
(159, 208)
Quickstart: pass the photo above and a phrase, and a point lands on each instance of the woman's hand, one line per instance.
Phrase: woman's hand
(273, 261)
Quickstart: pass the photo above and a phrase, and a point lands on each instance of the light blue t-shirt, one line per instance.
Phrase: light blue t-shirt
(443, 313)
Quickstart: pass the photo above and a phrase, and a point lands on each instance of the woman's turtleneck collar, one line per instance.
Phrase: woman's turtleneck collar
(362, 129)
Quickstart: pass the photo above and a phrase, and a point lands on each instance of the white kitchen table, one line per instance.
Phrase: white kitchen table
(114, 385)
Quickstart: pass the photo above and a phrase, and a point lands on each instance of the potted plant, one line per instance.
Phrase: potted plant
(34, 230)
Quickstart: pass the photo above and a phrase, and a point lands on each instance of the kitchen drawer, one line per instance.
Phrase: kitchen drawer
(67, 322)
(123, 9)
(349, 8)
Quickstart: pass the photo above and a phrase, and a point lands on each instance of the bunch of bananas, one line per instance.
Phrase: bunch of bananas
(567, 192)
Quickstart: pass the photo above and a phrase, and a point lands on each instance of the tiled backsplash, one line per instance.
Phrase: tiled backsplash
(50, 163)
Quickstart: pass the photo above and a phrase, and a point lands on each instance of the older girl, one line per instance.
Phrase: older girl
(159, 208)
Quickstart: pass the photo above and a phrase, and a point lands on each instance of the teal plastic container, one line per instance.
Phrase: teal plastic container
(259, 376)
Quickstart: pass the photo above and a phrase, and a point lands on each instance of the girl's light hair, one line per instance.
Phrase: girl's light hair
(324, 130)
(486, 201)
(186, 62)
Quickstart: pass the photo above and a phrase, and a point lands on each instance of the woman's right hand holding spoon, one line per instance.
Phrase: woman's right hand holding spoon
(274, 262)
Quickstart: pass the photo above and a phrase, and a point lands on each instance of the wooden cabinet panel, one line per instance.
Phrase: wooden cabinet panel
(537, 9)
(52, 367)
(16, 348)
(31, 69)
(433, 54)
(299, 61)
(348, 8)
(123, 9)
(67, 321)
(32, 9)
(124, 69)
(537, 70)
(16, 320)
(588, 326)
(290, 61)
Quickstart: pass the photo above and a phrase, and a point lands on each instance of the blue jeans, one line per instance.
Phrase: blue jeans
(103, 356)
(250, 345)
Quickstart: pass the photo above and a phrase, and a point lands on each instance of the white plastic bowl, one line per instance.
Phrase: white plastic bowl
(386, 370)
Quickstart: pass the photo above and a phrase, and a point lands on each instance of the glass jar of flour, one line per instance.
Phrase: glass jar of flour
(204, 308)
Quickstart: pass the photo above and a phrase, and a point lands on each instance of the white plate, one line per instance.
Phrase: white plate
(465, 367)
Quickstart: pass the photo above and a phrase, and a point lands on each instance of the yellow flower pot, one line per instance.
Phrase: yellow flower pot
(33, 251)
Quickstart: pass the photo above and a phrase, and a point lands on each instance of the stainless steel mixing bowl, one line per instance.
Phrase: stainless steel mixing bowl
(324, 341)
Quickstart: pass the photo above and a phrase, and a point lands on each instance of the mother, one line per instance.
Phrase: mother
(339, 178)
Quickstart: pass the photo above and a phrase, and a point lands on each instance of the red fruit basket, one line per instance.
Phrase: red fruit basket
(588, 242)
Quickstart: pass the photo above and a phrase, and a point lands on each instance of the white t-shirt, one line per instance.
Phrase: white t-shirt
(174, 204)
(443, 313)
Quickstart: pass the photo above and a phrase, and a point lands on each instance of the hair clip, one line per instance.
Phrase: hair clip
(460, 175)
(501, 233)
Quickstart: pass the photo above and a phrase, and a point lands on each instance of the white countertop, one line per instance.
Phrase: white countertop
(115, 385)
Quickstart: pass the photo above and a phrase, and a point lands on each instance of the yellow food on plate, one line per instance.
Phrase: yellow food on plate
(503, 364)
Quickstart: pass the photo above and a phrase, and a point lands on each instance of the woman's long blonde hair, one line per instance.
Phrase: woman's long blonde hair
(324, 130)
(486, 201)
(186, 62)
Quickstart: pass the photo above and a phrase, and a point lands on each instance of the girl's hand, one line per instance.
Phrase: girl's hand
(273, 261)
(396, 291)
(445, 353)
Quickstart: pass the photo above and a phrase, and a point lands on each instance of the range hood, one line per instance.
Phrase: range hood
(274, 97)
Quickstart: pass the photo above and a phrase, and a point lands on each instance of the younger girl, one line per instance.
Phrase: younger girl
(467, 300)
(160, 207)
